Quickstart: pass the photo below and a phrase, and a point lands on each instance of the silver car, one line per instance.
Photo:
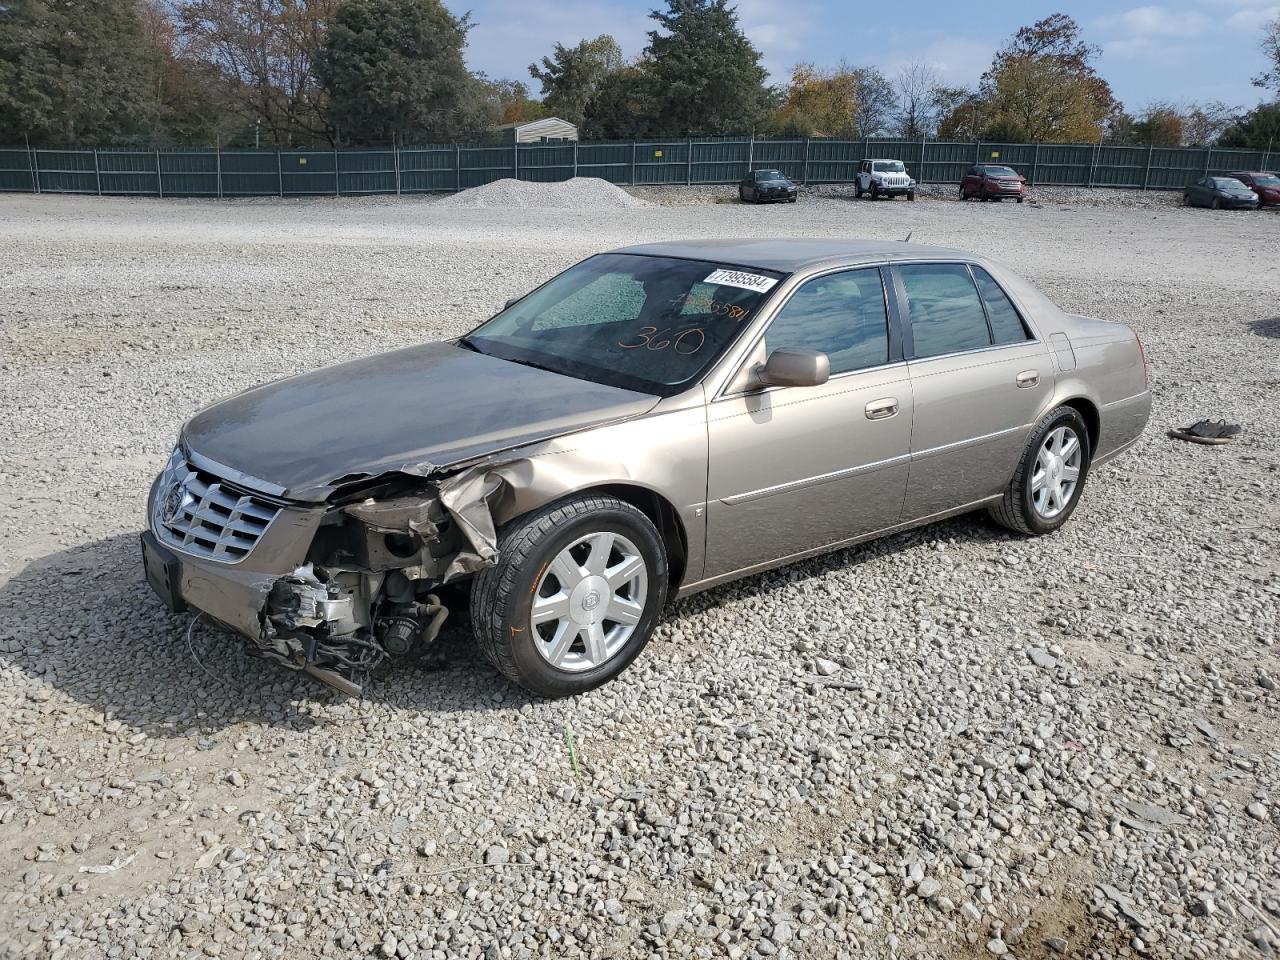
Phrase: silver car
(651, 422)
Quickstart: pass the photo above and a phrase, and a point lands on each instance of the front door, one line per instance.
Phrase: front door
(793, 469)
(980, 380)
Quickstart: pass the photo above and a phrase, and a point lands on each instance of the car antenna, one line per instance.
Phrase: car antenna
(907, 238)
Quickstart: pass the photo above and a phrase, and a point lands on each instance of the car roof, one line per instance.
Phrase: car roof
(789, 255)
(1251, 173)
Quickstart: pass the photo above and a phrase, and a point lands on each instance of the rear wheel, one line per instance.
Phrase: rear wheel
(1050, 477)
(574, 596)
(875, 192)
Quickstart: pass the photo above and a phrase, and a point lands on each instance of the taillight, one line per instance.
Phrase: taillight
(1142, 352)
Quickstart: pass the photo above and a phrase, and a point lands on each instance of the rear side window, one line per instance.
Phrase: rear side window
(842, 315)
(1006, 322)
(946, 313)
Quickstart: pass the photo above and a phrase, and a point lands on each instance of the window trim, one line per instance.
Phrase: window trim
(1028, 333)
(905, 315)
(897, 342)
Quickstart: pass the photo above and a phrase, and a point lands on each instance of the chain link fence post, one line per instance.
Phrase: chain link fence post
(1035, 164)
(688, 168)
(805, 177)
(1146, 174)
(217, 165)
(395, 159)
(279, 176)
(97, 171)
(457, 168)
(337, 185)
(633, 163)
(159, 177)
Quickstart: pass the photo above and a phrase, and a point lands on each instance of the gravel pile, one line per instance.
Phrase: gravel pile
(580, 193)
(951, 743)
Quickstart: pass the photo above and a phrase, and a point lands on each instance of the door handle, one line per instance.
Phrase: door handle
(1028, 378)
(882, 409)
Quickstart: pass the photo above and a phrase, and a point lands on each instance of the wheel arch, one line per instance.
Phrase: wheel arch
(661, 512)
(1088, 410)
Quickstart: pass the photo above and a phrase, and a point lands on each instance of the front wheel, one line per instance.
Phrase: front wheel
(1216, 204)
(875, 192)
(857, 190)
(574, 596)
(1050, 477)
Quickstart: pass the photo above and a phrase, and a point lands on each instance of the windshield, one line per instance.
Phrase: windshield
(999, 171)
(1266, 180)
(1228, 183)
(653, 324)
(889, 166)
(769, 175)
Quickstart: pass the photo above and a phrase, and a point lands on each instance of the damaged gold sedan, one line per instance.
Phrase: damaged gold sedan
(651, 422)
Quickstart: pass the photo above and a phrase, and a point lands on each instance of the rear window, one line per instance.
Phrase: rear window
(1006, 323)
(946, 313)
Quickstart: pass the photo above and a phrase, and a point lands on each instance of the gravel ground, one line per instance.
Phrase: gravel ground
(951, 743)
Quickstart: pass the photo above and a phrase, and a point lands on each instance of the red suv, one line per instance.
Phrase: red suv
(993, 181)
(1265, 185)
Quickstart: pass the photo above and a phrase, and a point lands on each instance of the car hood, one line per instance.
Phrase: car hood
(421, 408)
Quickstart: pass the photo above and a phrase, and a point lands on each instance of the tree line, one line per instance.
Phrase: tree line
(286, 73)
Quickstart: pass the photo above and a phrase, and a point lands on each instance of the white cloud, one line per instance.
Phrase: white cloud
(1156, 21)
(511, 34)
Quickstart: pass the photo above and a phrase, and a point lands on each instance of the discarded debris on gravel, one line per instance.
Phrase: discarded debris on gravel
(951, 743)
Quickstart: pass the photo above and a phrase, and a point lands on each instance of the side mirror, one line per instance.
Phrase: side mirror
(787, 367)
(511, 303)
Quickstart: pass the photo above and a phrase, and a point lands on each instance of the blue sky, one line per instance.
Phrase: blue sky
(1174, 51)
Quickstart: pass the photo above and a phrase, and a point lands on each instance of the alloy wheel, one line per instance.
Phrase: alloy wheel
(1057, 472)
(588, 601)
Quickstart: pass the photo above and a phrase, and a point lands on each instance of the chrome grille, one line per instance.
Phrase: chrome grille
(200, 514)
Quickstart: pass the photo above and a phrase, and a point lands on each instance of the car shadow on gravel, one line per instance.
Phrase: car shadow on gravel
(84, 623)
(1266, 328)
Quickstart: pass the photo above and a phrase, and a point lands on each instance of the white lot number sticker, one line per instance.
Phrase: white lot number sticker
(744, 281)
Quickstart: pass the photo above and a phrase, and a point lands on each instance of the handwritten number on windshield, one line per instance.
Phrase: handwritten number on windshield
(686, 342)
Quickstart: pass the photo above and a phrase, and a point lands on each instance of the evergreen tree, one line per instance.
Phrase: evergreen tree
(703, 74)
(394, 68)
(75, 72)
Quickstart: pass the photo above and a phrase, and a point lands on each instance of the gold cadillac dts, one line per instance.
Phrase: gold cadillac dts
(651, 422)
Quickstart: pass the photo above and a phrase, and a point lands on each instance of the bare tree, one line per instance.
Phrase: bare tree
(917, 110)
(267, 49)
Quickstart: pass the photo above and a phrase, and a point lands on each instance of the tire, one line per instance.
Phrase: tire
(792, 199)
(911, 196)
(1019, 509)
(857, 190)
(963, 195)
(875, 192)
(1020, 199)
(1216, 204)
(529, 549)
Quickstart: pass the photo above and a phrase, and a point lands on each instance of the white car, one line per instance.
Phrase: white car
(884, 178)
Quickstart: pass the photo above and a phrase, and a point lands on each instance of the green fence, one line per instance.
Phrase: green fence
(444, 168)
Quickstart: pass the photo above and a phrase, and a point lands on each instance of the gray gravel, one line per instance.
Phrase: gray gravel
(951, 743)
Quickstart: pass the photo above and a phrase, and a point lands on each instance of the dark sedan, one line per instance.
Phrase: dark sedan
(1220, 193)
(766, 186)
(1266, 185)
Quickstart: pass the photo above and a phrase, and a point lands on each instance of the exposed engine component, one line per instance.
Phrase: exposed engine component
(341, 625)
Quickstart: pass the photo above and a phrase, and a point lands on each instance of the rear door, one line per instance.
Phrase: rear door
(979, 378)
(794, 469)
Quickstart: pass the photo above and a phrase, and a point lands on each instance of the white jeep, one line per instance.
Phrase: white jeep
(884, 178)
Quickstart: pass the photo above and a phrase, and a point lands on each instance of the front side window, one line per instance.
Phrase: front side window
(842, 315)
(653, 324)
(946, 313)
(1006, 322)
